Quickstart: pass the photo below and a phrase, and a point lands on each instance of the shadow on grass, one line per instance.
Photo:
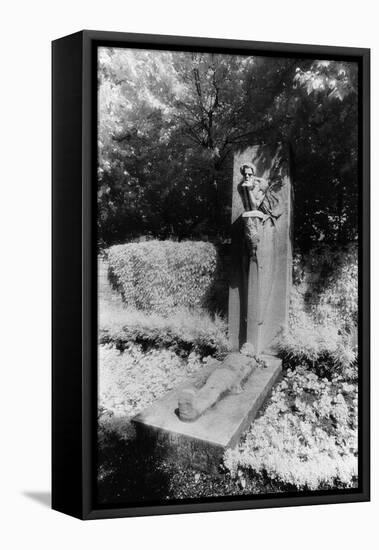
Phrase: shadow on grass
(132, 474)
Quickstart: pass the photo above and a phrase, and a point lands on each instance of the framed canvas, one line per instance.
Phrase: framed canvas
(210, 275)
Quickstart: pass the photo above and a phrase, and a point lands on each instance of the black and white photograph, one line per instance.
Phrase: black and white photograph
(228, 238)
(188, 239)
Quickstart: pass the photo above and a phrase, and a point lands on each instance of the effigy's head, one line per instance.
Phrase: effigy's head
(248, 171)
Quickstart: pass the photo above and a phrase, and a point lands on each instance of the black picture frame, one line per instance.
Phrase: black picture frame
(74, 294)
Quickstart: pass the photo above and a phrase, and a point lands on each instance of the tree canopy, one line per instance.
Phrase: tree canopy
(168, 123)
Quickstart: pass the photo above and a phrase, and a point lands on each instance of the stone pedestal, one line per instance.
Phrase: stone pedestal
(202, 443)
(258, 305)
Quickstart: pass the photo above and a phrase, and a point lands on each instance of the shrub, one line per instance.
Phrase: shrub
(307, 436)
(323, 312)
(330, 285)
(161, 276)
(185, 331)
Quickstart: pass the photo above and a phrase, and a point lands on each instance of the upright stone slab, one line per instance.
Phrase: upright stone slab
(258, 305)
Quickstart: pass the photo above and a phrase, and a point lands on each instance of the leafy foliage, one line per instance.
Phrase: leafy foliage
(183, 332)
(125, 390)
(307, 437)
(170, 121)
(336, 79)
(324, 312)
(162, 276)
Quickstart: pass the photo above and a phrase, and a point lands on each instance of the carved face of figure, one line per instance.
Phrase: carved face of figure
(248, 174)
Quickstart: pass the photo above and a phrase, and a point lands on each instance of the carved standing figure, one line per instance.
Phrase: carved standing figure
(263, 205)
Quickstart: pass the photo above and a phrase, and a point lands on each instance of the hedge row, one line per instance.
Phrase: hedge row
(162, 276)
(157, 279)
(183, 332)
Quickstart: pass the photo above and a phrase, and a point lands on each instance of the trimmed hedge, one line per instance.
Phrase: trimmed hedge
(162, 276)
(183, 331)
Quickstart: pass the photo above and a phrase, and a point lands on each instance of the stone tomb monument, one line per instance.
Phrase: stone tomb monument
(194, 423)
(261, 264)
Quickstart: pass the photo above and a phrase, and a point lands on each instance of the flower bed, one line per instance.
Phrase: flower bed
(306, 437)
(130, 380)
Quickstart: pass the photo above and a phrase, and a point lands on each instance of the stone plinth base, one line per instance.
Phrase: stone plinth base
(201, 444)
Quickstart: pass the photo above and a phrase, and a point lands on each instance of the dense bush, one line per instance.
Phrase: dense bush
(183, 332)
(161, 276)
(307, 436)
(328, 279)
(324, 312)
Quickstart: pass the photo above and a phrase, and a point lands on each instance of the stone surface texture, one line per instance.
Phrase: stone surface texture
(227, 378)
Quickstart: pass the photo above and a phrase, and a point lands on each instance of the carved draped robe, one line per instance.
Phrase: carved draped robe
(263, 205)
